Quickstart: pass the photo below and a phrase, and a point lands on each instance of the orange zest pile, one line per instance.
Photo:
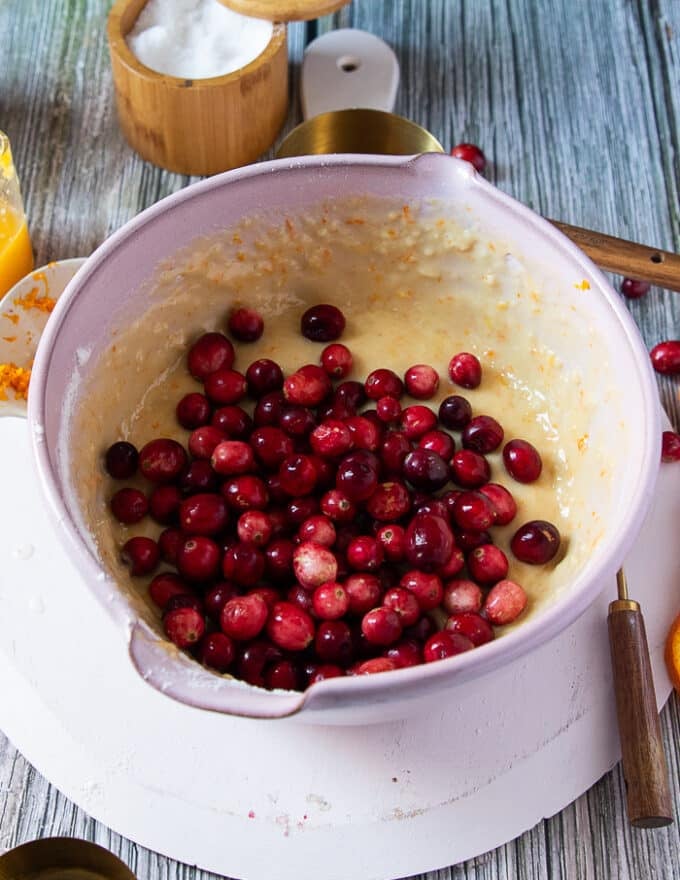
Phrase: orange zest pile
(14, 378)
(33, 300)
(672, 654)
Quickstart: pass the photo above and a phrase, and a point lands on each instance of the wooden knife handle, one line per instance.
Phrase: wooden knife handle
(626, 257)
(644, 762)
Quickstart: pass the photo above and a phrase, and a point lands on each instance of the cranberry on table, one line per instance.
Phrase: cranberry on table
(388, 409)
(166, 585)
(308, 386)
(465, 370)
(440, 442)
(383, 383)
(364, 432)
(203, 441)
(217, 651)
(394, 449)
(225, 387)
(193, 410)
(461, 595)
(246, 492)
(331, 439)
(470, 469)
(429, 542)
(426, 470)
(333, 642)
(455, 412)
(351, 393)
(246, 325)
(330, 601)
(470, 153)
(472, 625)
(364, 592)
(269, 408)
(164, 502)
(314, 564)
(505, 602)
(198, 558)
(634, 289)
(381, 626)
(141, 555)
(365, 554)
(421, 381)
(482, 434)
(336, 359)
(504, 505)
(425, 586)
(234, 421)
(243, 617)
(392, 538)
(670, 446)
(445, 644)
(129, 506)
(536, 542)
(404, 603)
(162, 461)
(263, 376)
(271, 446)
(522, 461)
(184, 626)
(472, 510)
(417, 420)
(203, 514)
(322, 323)
(244, 564)
(232, 457)
(297, 421)
(487, 564)
(666, 357)
(121, 460)
(211, 352)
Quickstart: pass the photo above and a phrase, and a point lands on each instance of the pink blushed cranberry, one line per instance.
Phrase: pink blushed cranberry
(365, 554)
(331, 439)
(254, 527)
(634, 289)
(417, 420)
(244, 617)
(465, 370)
(203, 514)
(184, 626)
(263, 376)
(426, 587)
(209, 353)
(445, 644)
(364, 592)
(392, 538)
(141, 555)
(243, 564)
(129, 506)
(472, 154)
(162, 461)
(522, 461)
(455, 412)
(504, 505)
(364, 433)
(383, 383)
(381, 626)
(505, 602)
(469, 469)
(536, 542)
(388, 409)
(336, 360)
(421, 381)
(404, 603)
(482, 434)
(246, 325)
(472, 625)
(314, 564)
(389, 502)
(322, 323)
(330, 601)
(374, 665)
(193, 410)
(666, 357)
(232, 457)
(198, 558)
(429, 542)
(670, 446)
(308, 386)
(217, 651)
(225, 387)
(121, 460)
(461, 595)
(203, 441)
(487, 564)
(319, 529)
(166, 585)
(440, 442)
(289, 627)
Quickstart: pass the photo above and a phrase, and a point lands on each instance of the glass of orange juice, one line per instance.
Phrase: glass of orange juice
(16, 254)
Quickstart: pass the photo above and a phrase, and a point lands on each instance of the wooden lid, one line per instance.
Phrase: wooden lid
(285, 10)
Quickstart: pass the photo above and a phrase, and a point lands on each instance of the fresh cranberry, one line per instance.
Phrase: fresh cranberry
(417, 420)
(198, 558)
(404, 603)
(271, 446)
(184, 626)
(162, 461)
(472, 510)
(164, 502)
(392, 538)
(472, 154)
(535, 542)
(297, 421)
(470, 539)
(383, 383)
(325, 473)
(203, 441)
(427, 588)
(522, 461)
(472, 625)
(405, 653)
(169, 542)
(440, 442)
(421, 381)
(255, 659)
(203, 514)
(284, 675)
(232, 457)
(324, 671)
(308, 386)
(289, 627)
(269, 408)
(666, 357)
(129, 505)
(314, 564)
(279, 521)
(469, 469)
(188, 600)
(338, 507)
(420, 631)
(670, 446)
(455, 412)
(634, 289)
(487, 564)
(330, 601)
(263, 376)
(425, 469)
(243, 564)
(245, 493)
(225, 387)
(198, 477)
(389, 502)
(330, 439)
(365, 554)
(461, 595)
(465, 370)
(217, 651)
(254, 527)
(364, 434)
(164, 586)
(121, 460)
(374, 665)
(234, 421)
(388, 409)
(300, 597)
(193, 410)
(333, 642)
(336, 360)
(504, 505)
(279, 559)
(429, 542)
(364, 592)
(270, 595)
(505, 602)
(482, 434)
(218, 596)
(245, 324)
(141, 555)
(356, 478)
(445, 644)
(244, 617)
(351, 394)
(298, 475)
(211, 352)
(300, 509)
(322, 323)
(435, 506)
(319, 529)
(455, 564)
(381, 626)
(395, 447)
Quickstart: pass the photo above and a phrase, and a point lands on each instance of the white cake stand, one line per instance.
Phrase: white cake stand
(263, 799)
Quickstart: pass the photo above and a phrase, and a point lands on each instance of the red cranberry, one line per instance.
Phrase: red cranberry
(504, 506)
(429, 542)
(356, 478)
(421, 381)
(169, 542)
(472, 510)
(445, 644)
(245, 493)
(470, 539)
(482, 434)
(231, 457)
(522, 461)
(279, 520)
(440, 442)
(289, 627)
(301, 598)
(203, 441)
(383, 383)
(331, 438)
(193, 410)
(364, 592)
(404, 603)
(245, 324)
(184, 626)
(279, 559)
(425, 469)
(392, 538)
(164, 586)
(297, 475)
(198, 558)
(324, 671)
(325, 473)
(471, 625)
(461, 595)
(427, 588)
(269, 408)
(336, 360)
(300, 509)
(271, 446)
(465, 370)
(535, 542)
(263, 376)
(634, 289)
(505, 602)
(162, 461)
(254, 659)
(389, 502)
(420, 631)
(217, 651)
(670, 446)
(269, 594)
(164, 502)
(322, 323)
(141, 555)
(198, 477)
(455, 412)
(365, 554)
(234, 421)
(244, 617)
(308, 386)
(218, 596)
(351, 394)
(203, 514)
(364, 433)
(129, 506)
(225, 386)
(333, 642)
(469, 469)
(338, 507)
(381, 626)
(243, 564)
(472, 154)
(121, 460)
(666, 357)
(487, 564)
(374, 665)
(297, 421)
(455, 564)
(330, 601)
(211, 352)
(314, 564)
(254, 527)
(406, 653)
(417, 420)
(388, 409)
(395, 447)
(284, 675)
(432, 505)
(319, 529)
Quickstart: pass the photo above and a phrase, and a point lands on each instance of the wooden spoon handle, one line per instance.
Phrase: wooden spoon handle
(644, 762)
(626, 257)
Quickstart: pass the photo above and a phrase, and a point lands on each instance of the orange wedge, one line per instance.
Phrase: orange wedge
(672, 654)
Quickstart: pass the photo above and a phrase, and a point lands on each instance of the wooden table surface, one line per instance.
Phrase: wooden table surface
(577, 107)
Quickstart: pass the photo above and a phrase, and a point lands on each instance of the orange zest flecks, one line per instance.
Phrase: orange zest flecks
(14, 378)
(582, 443)
(9, 338)
(33, 300)
(583, 285)
(11, 316)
